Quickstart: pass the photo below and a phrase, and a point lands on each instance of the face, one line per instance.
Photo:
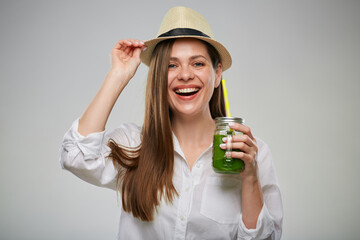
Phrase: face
(191, 78)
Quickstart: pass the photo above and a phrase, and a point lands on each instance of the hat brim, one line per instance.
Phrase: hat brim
(225, 56)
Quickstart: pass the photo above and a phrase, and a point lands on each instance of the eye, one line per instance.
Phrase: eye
(172, 65)
(198, 64)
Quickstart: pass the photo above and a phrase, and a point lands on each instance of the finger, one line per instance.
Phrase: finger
(247, 158)
(241, 128)
(132, 46)
(244, 138)
(117, 45)
(135, 43)
(128, 50)
(122, 44)
(242, 147)
(128, 43)
(137, 52)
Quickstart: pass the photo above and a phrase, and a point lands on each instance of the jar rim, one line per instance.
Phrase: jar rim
(229, 119)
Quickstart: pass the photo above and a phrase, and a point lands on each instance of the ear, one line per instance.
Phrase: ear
(218, 75)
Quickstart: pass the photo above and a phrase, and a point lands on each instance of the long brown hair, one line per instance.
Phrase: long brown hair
(145, 173)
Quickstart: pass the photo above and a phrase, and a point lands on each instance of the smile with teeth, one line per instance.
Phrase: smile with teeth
(186, 91)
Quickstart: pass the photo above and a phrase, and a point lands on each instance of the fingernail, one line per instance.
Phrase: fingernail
(223, 145)
(144, 49)
(231, 124)
(224, 139)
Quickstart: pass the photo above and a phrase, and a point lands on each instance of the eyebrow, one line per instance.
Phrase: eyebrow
(191, 58)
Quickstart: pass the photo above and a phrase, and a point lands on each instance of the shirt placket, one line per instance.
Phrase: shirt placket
(189, 180)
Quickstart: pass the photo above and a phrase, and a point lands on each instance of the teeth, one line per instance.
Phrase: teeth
(186, 90)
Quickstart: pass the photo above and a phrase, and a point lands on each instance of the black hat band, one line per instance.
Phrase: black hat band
(183, 32)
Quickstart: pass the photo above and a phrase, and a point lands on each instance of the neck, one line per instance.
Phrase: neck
(194, 130)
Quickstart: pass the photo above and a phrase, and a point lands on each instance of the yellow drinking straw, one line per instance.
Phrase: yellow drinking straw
(227, 107)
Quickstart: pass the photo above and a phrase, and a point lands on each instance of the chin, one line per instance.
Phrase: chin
(188, 112)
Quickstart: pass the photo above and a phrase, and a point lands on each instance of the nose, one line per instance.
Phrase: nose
(185, 73)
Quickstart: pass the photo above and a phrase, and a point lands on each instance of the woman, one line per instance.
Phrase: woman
(163, 169)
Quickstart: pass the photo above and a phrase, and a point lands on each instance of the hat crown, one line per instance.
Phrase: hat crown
(183, 22)
(183, 17)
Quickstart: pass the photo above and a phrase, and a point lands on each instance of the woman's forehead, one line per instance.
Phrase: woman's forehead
(188, 47)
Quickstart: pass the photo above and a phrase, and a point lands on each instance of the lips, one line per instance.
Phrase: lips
(187, 91)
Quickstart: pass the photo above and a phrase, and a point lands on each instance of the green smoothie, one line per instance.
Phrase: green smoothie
(221, 164)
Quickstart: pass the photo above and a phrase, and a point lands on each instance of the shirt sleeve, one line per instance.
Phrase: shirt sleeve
(269, 223)
(87, 157)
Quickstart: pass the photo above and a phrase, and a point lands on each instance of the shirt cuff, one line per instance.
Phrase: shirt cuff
(264, 226)
(90, 145)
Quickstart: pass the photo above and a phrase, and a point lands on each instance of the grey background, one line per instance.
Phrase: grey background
(295, 79)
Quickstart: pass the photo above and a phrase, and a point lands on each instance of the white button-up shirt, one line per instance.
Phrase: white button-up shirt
(208, 205)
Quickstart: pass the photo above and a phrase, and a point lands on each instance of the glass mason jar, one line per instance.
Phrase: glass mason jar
(221, 162)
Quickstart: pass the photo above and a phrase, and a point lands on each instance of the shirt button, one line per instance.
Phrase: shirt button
(198, 165)
(187, 189)
(182, 218)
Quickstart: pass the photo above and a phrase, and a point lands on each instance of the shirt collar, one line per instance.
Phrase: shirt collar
(177, 147)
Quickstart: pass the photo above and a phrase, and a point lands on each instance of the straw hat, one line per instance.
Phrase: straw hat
(182, 22)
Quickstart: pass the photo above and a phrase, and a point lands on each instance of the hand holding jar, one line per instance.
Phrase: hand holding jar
(243, 146)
